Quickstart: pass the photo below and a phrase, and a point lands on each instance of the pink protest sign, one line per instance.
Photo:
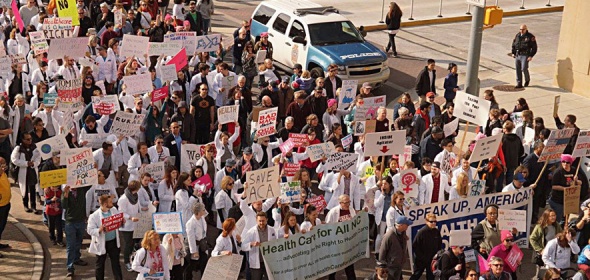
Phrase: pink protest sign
(514, 258)
(180, 60)
(300, 140)
(318, 201)
(204, 181)
(287, 146)
(17, 16)
(159, 94)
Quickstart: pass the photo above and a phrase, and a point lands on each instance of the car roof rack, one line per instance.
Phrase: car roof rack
(315, 11)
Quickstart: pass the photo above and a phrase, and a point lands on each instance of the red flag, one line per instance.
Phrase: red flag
(180, 60)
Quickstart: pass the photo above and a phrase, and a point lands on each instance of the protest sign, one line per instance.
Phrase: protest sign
(346, 141)
(69, 91)
(154, 169)
(451, 127)
(138, 84)
(410, 182)
(165, 48)
(112, 222)
(17, 58)
(461, 237)
(516, 118)
(49, 99)
(471, 108)
(370, 199)
(509, 219)
(179, 60)
(203, 184)
(105, 105)
(317, 151)
(93, 140)
(406, 156)
(159, 94)
(514, 257)
(267, 121)
(68, 9)
(557, 142)
(207, 43)
(287, 146)
(90, 62)
(126, 123)
(17, 17)
(168, 73)
(223, 267)
(145, 222)
(260, 56)
(5, 65)
(347, 93)
(118, 13)
(367, 108)
(228, 114)
(38, 42)
(71, 47)
(240, 225)
(290, 192)
(134, 46)
(59, 28)
(168, 222)
(54, 144)
(466, 213)
(187, 39)
(299, 140)
(556, 100)
(325, 249)
(318, 201)
(64, 154)
(582, 147)
(342, 161)
(477, 188)
(81, 171)
(385, 143)
(571, 200)
(189, 155)
(262, 184)
(291, 169)
(53, 178)
(486, 148)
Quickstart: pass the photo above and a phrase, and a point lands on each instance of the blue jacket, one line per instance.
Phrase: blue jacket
(451, 83)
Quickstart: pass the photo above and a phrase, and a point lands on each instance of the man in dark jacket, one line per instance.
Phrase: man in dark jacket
(534, 167)
(513, 152)
(317, 102)
(195, 18)
(299, 109)
(496, 270)
(421, 121)
(452, 263)
(394, 251)
(246, 163)
(425, 80)
(524, 47)
(569, 122)
(173, 142)
(186, 121)
(425, 245)
(332, 82)
(430, 146)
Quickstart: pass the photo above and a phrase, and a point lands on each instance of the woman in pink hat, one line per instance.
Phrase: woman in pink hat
(332, 116)
(565, 177)
(503, 249)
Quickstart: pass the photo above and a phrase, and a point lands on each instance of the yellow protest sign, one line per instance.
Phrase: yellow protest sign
(370, 171)
(53, 178)
(68, 9)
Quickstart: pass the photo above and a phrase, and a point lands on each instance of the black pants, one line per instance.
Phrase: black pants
(419, 268)
(55, 225)
(176, 272)
(113, 252)
(30, 195)
(258, 273)
(349, 270)
(391, 44)
(4, 210)
(128, 243)
(203, 135)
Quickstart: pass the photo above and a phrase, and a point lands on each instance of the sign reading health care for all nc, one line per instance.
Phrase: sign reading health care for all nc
(385, 143)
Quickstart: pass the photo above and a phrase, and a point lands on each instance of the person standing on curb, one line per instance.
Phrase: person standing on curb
(524, 47)
(73, 202)
(5, 196)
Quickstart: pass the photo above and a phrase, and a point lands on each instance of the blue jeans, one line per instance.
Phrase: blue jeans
(522, 65)
(558, 208)
(74, 236)
(206, 25)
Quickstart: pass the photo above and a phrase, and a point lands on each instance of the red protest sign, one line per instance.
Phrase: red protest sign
(246, 167)
(300, 140)
(180, 60)
(204, 181)
(291, 169)
(318, 201)
(113, 222)
(159, 94)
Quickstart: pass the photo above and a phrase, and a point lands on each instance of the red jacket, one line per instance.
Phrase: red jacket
(52, 208)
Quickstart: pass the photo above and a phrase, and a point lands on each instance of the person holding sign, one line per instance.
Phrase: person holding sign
(253, 238)
(564, 177)
(151, 261)
(174, 244)
(225, 198)
(503, 250)
(103, 241)
(224, 144)
(130, 207)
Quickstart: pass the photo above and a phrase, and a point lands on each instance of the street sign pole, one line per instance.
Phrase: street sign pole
(473, 56)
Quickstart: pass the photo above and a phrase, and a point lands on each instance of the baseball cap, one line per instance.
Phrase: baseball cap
(403, 220)
(520, 177)
(506, 234)
(436, 164)
(247, 150)
(367, 85)
(230, 162)
(286, 80)
(430, 94)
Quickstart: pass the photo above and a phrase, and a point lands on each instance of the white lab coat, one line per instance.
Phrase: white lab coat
(19, 160)
(425, 189)
(221, 149)
(56, 119)
(224, 202)
(133, 167)
(107, 69)
(129, 211)
(472, 172)
(252, 236)
(334, 215)
(154, 156)
(170, 250)
(224, 244)
(250, 215)
(196, 230)
(221, 98)
(16, 122)
(258, 152)
(379, 205)
(165, 196)
(97, 243)
(202, 162)
(142, 254)
(68, 74)
(183, 205)
(338, 189)
(99, 159)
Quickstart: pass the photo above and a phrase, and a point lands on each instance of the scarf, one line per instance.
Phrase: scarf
(131, 196)
(425, 117)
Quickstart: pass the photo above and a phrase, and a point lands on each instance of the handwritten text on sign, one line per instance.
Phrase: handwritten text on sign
(81, 171)
(267, 121)
(207, 43)
(126, 123)
(486, 148)
(58, 28)
(571, 200)
(113, 222)
(509, 219)
(228, 114)
(170, 222)
(342, 161)
(317, 151)
(262, 184)
(557, 142)
(472, 108)
(582, 147)
(290, 192)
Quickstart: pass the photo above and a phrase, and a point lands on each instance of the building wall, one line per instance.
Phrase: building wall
(572, 71)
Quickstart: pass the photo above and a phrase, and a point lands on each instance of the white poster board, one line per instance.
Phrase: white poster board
(342, 161)
(267, 121)
(461, 237)
(385, 143)
(168, 73)
(347, 93)
(54, 144)
(207, 43)
(168, 222)
(165, 48)
(228, 114)
(472, 108)
(317, 151)
(367, 108)
(509, 219)
(72, 47)
(582, 147)
(134, 45)
(126, 123)
(81, 170)
(451, 127)
(138, 84)
(486, 148)
(223, 267)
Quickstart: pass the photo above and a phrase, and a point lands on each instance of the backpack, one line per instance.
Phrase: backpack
(435, 264)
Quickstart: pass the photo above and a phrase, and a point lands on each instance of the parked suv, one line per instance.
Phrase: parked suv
(314, 36)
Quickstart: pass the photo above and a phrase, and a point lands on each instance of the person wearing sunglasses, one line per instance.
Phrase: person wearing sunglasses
(503, 249)
(564, 177)
(497, 270)
(427, 241)
(452, 263)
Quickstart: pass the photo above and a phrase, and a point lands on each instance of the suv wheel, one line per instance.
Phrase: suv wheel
(317, 72)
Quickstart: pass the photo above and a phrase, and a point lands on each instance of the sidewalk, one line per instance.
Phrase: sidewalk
(16, 263)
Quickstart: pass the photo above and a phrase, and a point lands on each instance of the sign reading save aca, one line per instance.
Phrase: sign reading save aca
(385, 143)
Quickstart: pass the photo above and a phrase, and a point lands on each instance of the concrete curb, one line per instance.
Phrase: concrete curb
(412, 23)
(37, 248)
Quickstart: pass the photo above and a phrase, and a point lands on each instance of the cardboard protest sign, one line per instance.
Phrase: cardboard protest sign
(471, 108)
(260, 56)
(317, 151)
(291, 169)
(486, 148)
(112, 222)
(187, 39)
(346, 141)
(168, 222)
(223, 267)
(228, 114)
(290, 192)
(93, 140)
(59, 28)
(263, 184)
(145, 222)
(38, 42)
(451, 127)
(347, 93)
(168, 73)
(514, 257)
(509, 219)
(582, 147)
(267, 121)
(571, 200)
(370, 126)
(154, 169)
(72, 47)
(207, 43)
(342, 161)
(165, 48)
(53, 144)
(287, 146)
(105, 105)
(556, 104)
(299, 140)
(19, 19)
(160, 94)
(81, 171)
(138, 84)
(53, 178)
(126, 123)
(460, 237)
(367, 108)
(17, 58)
(68, 9)
(318, 201)
(189, 155)
(179, 60)
(410, 182)
(385, 143)
(204, 183)
(134, 45)
(556, 143)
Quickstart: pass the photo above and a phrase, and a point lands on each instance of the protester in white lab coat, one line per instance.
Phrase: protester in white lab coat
(104, 242)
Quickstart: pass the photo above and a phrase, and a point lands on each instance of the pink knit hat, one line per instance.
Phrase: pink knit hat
(505, 234)
(332, 102)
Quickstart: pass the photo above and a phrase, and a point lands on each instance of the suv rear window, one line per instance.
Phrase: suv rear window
(281, 23)
(263, 14)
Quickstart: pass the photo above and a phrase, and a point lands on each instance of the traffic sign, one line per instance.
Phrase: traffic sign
(479, 3)
(385, 143)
